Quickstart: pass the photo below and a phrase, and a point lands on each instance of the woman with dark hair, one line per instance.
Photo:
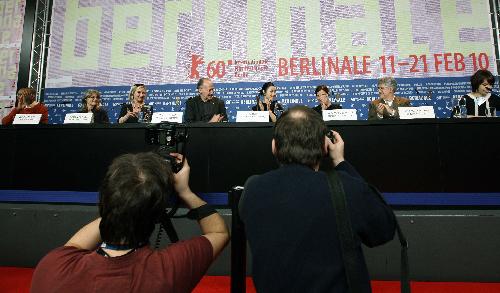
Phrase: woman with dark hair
(266, 102)
(481, 98)
(91, 103)
(323, 95)
(136, 109)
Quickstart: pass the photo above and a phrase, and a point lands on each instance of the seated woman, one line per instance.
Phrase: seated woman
(481, 97)
(91, 103)
(322, 94)
(137, 109)
(268, 92)
(26, 103)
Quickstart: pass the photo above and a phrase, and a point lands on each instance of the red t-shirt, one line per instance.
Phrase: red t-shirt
(177, 268)
(37, 109)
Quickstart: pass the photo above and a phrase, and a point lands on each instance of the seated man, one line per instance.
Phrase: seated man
(132, 198)
(205, 107)
(386, 107)
(289, 215)
(27, 104)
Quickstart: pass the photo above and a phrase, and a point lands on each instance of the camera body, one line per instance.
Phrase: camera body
(170, 138)
(329, 134)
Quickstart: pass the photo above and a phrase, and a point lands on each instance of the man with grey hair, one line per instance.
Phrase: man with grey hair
(386, 107)
(205, 107)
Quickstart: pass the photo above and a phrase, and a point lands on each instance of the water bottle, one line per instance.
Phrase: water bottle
(456, 107)
(463, 108)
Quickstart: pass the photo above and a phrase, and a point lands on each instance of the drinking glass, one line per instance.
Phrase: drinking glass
(491, 112)
(457, 109)
(449, 106)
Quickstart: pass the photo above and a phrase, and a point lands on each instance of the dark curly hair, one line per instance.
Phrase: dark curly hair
(132, 197)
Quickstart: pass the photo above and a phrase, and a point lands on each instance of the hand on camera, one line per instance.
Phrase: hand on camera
(335, 148)
(181, 178)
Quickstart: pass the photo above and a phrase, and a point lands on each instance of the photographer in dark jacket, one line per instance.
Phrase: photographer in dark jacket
(290, 219)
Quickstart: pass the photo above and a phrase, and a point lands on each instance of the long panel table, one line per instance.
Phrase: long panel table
(428, 155)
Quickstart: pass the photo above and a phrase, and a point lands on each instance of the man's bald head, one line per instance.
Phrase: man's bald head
(299, 137)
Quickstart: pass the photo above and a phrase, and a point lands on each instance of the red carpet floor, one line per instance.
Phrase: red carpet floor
(17, 280)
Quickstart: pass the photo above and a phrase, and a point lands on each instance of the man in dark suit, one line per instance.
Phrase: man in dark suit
(289, 215)
(205, 107)
(386, 107)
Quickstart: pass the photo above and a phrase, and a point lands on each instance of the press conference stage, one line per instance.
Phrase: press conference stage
(439, 174)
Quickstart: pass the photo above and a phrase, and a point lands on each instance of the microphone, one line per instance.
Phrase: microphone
(335, 100)
(337, 97)
(278, 106)
(212, 100)
(179, 103)
(57, 104)
(429, 97)
(120, 105)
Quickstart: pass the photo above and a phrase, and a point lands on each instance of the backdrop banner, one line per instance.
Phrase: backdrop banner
(11, 35)
(430, 49)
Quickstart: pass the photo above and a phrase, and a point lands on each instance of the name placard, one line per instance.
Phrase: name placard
(252, 116)
(27, 119)
(159, 117)
(416, 112)
(339, 114)
(79, 118)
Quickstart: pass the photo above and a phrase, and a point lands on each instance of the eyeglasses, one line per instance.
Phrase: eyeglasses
(138, 84)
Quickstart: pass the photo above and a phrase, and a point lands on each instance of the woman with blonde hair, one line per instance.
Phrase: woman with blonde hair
(136, 110)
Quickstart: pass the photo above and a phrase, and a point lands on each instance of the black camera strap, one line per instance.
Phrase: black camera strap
(346, 235)
(405, 265)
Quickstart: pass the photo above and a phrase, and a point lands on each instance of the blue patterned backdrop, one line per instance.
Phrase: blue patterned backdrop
(354, 94)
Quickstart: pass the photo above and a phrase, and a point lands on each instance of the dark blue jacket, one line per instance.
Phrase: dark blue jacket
(292, 233)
